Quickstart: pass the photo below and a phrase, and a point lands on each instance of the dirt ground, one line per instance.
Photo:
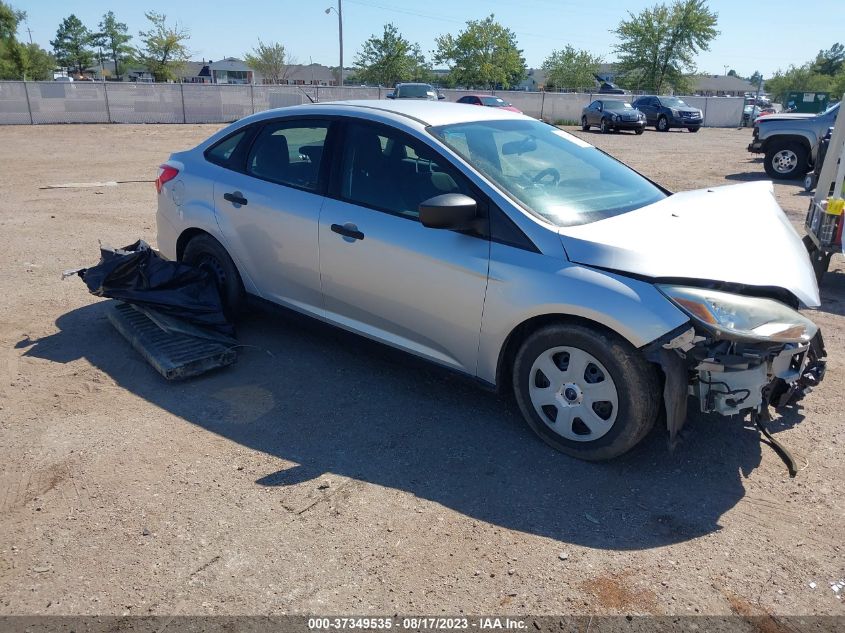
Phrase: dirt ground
(327, 474)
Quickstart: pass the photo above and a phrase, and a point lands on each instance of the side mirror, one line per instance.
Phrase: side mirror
(440, 96)
(448, 211)
(390, 95)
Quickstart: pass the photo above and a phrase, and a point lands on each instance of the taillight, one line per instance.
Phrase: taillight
(166, 173)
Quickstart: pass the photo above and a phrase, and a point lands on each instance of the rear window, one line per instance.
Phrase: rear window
(416, 90)
(220, 153)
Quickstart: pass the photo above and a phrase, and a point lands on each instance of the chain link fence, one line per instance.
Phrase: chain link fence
(37, 102)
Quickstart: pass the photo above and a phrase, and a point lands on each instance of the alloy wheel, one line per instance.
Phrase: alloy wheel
(785, 161)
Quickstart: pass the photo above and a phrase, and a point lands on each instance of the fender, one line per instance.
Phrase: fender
(633, 309)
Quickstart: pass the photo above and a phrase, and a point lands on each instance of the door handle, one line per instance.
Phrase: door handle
(236, 197)
(349, 230)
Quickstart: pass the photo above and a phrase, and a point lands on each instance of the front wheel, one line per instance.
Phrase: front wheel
(584, 125)
(693, 129)
(587, 393)
(605, 128)
(639, 131)
(786, 160)
(662, 124)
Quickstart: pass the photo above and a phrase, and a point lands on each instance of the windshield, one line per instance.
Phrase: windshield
(495, 102)
(617, 105)
(417, 90)
(832, 108)
(673, 102)
(549, 172)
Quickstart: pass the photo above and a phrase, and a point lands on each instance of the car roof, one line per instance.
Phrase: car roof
(421, 112)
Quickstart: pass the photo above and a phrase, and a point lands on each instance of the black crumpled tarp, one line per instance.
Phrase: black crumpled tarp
(138, 275)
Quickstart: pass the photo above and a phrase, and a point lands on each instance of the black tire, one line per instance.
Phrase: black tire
(786, 160)
(639, 131)
(809, 182)
(584, 125)
(637, 386)
(605, 128)
(206, 252)
(662, 124)
(693, 129)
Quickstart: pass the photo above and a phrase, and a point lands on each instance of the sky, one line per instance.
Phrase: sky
(762, 36)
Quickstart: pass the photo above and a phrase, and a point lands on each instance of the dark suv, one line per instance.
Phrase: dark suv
(664, 113)
(415, 91)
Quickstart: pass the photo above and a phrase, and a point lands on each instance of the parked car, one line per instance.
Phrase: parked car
(505, 249)
(750, 113)
(790, 141)
(612, 115)
(489, 101)
(665, 113)
(415, 91)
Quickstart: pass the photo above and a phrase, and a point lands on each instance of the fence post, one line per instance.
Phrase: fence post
(106, 95)
(28, 104)
(182, 91)
(542, 103)
(252, 96)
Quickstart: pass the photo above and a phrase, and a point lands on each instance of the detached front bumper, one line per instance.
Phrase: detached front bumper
(733, 378)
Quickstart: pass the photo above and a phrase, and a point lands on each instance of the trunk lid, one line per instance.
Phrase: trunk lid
(734, 234)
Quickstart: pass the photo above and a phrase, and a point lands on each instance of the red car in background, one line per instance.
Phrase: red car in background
(490, 101)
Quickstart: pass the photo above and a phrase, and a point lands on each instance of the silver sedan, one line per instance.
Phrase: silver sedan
(506, 249)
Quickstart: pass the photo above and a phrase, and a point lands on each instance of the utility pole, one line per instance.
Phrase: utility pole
(339, 11)
(29, 31)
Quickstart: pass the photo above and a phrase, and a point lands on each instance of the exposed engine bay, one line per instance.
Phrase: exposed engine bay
(734, 377)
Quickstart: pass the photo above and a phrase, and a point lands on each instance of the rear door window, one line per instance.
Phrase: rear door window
(289, 153)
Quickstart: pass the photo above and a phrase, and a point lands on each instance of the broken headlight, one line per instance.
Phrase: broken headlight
(735, 316)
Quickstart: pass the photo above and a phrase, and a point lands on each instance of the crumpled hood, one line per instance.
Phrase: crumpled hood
(735, 234)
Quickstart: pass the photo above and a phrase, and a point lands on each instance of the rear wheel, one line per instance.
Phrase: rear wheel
(662, 124)
(587, 393)
(205, 252)
(584, 125)
(786, 160)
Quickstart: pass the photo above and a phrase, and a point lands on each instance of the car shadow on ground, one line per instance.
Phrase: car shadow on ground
(760, 174)
(332, 402)
(832, 289)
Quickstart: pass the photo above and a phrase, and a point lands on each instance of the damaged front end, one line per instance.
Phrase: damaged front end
(738, 355)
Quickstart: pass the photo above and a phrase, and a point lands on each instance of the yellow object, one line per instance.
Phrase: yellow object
(835, 206)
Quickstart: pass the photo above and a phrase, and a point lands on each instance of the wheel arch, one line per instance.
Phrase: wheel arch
(513, 341)
(784, 139)
(186, 236)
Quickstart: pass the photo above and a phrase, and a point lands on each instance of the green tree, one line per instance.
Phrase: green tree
(571, 68)
(72, 46)
(831, 61)
(390, 59)
(39, 63)
(271, 61)
(755, 77)
(657, 47)
(804, 78)
(164, 51)
(9, 20)
(485, 55)
(114, 38)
